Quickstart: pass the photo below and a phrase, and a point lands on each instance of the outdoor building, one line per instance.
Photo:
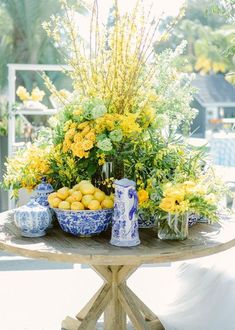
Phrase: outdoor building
(215, 102)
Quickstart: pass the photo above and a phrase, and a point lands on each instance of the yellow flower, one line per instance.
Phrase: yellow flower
(87, 145)
(176, 193)
(91, 135)
(182, 207)
(143, 196)
(83, 125)
(77, 138)
(37, 94)
(85, 131)
(22, 94)
(168, 204)
(67, 125)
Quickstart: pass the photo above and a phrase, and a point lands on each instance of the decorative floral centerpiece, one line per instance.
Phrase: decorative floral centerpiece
(125, 114)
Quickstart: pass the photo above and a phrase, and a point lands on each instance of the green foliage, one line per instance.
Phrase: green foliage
(23, 40)
(175, 91)
(3, 117)
(209, 39)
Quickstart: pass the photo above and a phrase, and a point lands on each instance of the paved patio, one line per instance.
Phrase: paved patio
(37, 295)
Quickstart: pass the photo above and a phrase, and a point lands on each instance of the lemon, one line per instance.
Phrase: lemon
(52, 196)
(99, 195)
(63, 193)
(87, 199)
(87, 189)
(75, 187)
(64, 205)
(77, 206)
(107, 204)
(97, 189)
(55, 202)
(77, 196)
(94, 205)
(71, 191)
(71, 199)
(80, 184)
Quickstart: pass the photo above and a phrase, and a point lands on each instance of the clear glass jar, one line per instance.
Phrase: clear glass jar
(173, 226)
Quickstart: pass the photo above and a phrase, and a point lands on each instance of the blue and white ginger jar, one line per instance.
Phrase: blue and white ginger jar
(43, 190)
(125, 222)
(32, 219)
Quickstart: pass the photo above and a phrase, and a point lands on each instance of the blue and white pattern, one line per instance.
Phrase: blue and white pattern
(43, 190)
(125, 223)
(145, 218)
(84, 223)
(32, 219)
(193, 219)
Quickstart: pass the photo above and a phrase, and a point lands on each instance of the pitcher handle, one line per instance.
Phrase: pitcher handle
(132, 193)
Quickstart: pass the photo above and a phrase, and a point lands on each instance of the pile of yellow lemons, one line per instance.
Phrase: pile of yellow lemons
(83, 196)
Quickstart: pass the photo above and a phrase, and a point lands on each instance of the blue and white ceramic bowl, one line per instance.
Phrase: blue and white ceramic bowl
(84, 223)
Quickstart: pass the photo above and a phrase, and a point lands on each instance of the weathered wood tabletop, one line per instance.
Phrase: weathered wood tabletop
(115, 265)
(203, 240)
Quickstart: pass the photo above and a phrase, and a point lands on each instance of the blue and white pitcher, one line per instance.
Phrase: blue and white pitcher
(125, 222)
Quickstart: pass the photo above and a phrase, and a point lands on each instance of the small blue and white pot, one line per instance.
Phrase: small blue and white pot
(146, 219)
(32, 219)
(43, 190)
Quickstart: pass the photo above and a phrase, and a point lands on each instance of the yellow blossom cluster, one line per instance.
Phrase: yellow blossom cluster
(177, 197)
(101, 160)
(127, 123)
(206, 65)
(23, 94)
(175, 200)
(79, 139)
(118, 67)
(27, 168)
(143, 196)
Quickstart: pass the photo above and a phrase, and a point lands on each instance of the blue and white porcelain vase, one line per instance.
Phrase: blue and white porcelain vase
(32, 219)
(43, 190)
(125, 222)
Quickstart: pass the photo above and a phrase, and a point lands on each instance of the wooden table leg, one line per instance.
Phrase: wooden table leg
(116, 300)
(114, 315)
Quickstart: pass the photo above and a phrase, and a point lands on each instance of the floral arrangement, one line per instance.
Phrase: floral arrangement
(27, 168)
(126, 107)
(188, 196)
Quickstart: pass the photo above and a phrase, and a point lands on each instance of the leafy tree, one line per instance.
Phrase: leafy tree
(208, 37)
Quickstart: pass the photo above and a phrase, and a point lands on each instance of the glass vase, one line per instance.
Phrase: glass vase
(173, 226)
(111, 169)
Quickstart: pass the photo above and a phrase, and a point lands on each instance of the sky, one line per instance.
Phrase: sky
(169, 7)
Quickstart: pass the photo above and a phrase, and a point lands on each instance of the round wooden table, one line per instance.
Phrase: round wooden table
(115, 265)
